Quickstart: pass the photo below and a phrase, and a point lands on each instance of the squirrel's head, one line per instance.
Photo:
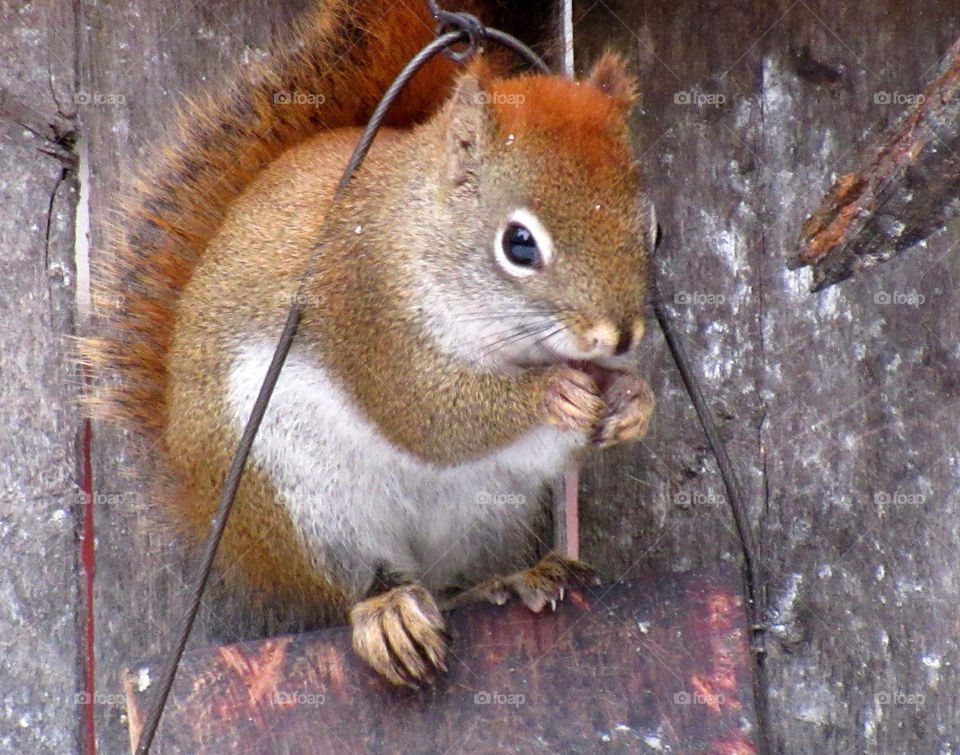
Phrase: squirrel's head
(545, 229)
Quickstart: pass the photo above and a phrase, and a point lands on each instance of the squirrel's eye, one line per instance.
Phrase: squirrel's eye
(520, 247)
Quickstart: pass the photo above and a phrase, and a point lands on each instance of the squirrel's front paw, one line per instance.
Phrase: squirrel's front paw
(401, 635)
(573, 400)
(629, 403)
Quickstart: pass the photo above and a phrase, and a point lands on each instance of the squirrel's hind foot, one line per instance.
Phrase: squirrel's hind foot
(536, 587)
(401, 634)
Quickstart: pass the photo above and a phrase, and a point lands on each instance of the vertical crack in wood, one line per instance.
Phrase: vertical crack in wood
(88, 561)
(70, 140)
(758, 574)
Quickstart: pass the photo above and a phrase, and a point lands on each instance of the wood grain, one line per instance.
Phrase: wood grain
(905, 190)
(839, 410)
(40, 503)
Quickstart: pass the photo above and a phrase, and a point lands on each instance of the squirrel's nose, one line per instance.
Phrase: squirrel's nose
(629, 334)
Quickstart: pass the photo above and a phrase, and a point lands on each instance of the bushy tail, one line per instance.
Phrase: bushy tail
(339, 61)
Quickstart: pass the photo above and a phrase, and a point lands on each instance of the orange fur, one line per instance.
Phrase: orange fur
(581, 116)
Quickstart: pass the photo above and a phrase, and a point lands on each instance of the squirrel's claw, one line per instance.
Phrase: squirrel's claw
(400, 633)
(537, 586)
(630, 403)
(573, 401)
(548, 580)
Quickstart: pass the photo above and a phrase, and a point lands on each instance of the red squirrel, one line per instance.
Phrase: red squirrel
(472, 308)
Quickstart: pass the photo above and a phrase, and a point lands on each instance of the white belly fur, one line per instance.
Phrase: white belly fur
(360, 502)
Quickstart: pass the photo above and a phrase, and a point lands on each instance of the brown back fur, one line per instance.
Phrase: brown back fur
(345, 50)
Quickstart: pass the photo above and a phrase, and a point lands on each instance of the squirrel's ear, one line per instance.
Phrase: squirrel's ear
(468, 126)
(610, 76)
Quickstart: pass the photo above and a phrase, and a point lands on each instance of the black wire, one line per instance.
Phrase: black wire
(227, 496)
(415, 64)
(235, 472)
(730, 482)
(465, 22)
(751, 576)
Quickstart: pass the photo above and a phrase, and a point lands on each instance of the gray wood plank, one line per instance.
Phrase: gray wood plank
(840, 409)
(40, 504)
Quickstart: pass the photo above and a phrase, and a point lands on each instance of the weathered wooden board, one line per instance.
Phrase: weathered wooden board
(40, 603)
(840, 409)
(658, 665)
